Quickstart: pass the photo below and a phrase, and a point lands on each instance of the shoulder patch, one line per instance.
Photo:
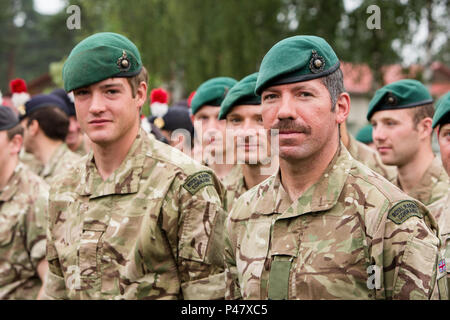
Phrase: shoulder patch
(404, 210)
(197, 181)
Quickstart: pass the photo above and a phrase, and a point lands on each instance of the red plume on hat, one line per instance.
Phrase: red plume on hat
(17, 86)
(191, 96)
(159, 99)
(19, 94)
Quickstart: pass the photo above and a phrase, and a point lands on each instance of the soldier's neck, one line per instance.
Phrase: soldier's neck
(411, 173)
(255, 174)
(109, 157)
(7, 171)
(46, 149)
(221, 170)
(298, 175)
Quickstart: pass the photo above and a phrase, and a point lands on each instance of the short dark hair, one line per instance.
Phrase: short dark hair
(53, 121)
(137, 79)
(421, 112)
(335, 85)
(16, 130)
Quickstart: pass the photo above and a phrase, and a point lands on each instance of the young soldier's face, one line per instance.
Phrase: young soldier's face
(444, 145)
(210, 130)
(394, 135)
(302, 113)
(107, 111)
(74, 135)
(245, 123)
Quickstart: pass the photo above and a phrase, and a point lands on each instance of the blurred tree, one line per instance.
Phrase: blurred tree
(30, 41)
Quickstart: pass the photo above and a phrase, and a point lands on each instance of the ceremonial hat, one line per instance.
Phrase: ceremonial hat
(211, 92)
(296, 59)
(442, 112)
(401, 94)
(242, 93)
(98, 57)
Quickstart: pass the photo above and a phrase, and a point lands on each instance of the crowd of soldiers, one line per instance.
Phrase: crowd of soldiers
(252, 189)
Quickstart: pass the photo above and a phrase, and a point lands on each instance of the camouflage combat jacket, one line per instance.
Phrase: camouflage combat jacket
(30, 161)
(441, 212)
(369, 157)
(235, 186)
(60, 162)
(152, 230)
(433, 186)
(23, 209)
(352, 235)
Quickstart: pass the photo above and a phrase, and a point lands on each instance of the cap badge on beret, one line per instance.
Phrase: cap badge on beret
(317, 62)
(123, 62)
(391, 99)
(159, 122)
(21, 110)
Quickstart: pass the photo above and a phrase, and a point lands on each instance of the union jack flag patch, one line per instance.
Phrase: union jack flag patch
(442, 266)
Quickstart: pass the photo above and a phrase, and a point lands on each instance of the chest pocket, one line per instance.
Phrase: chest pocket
(252, 254)
(90, 250)
(8, 227)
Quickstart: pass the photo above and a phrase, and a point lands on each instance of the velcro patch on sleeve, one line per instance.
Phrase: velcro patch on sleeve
(197, 181)
(404, 210)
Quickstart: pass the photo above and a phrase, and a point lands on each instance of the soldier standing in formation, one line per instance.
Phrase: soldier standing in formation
(324, 222)
(137, 219)
(241, 109)
(23, 209)
(210, 132)
(441, 208)
(401, 114)
(46, 122)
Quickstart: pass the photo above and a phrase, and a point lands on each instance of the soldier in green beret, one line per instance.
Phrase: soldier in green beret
(23, 210)
(441, 208)
(324, 226)
(401, 114)
(136, 219)
(365, 154)
(241, 109)
(210, 143)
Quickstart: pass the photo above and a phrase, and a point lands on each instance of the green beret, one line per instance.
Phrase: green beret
(405, 93)
(296, 59)
(442, 113)
(242, 93)
(364, 134)
(211, 92)
(98, 57)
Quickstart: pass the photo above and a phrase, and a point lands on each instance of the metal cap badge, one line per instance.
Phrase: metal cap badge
(317, 62)
(123, 62)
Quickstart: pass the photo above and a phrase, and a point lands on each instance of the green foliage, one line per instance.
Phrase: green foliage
(185, 42)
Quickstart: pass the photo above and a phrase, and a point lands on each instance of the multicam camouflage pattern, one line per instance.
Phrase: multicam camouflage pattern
(441, 212)
(23, 208)
(30, 161)
(369, 157)
(60, 162)
(235, 186)
(334, 242)
(152, 230)
(433, 186)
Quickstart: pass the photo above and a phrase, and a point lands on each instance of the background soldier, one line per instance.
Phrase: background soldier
(74, 138)
(242, 111)
(209, 130)
(137, 219)
(401, 114)
(23, 207)
(441, 208)
(325, 226)
(366, 154)
(46, 122)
